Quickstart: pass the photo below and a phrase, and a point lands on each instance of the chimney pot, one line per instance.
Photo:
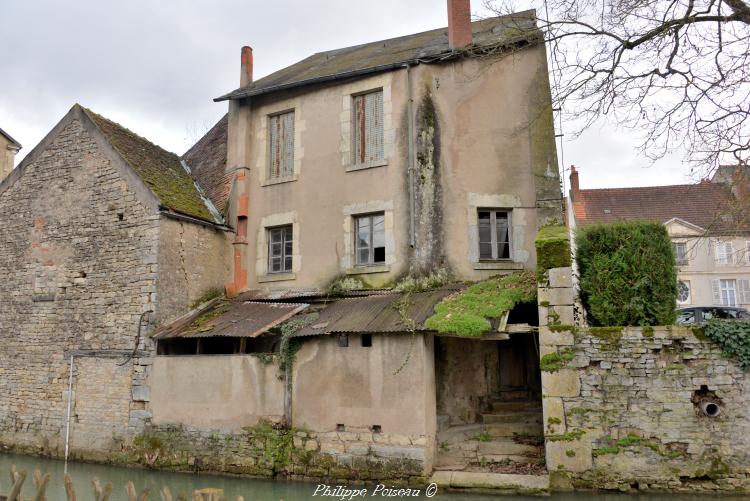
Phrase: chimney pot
(246, 74)
(574, 186)
(459, 23)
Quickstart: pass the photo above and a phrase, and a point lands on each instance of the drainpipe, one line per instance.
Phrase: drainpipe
(67, 420)
(410, 121)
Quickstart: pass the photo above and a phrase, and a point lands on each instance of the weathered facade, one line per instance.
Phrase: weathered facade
(101, 238)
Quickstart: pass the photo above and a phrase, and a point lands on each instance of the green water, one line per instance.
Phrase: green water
(251, 489)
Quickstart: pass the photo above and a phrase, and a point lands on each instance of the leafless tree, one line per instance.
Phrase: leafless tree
(677, 71)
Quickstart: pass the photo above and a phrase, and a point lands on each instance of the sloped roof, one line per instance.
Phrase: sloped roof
(384, 55)
(376, 314)
(9, 138)
(709, 205)
(160, 169)
(227, 318)
(207, 160)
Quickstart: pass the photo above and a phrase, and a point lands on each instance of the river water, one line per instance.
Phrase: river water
(251, 489)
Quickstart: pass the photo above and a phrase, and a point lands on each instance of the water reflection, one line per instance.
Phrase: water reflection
(251, 489)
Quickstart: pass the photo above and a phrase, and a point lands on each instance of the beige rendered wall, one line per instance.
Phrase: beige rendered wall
(359, 387)
(193, 259)
(703, 267)
(223, 392)
(494, 147)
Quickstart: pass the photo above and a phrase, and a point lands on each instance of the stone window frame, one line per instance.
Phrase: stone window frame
(348, 93)
(348, 259)
(262, 244)
(283, 257)
(262, 133)
(509, 216)
(495, 201)
(269, 143)
(371, 252)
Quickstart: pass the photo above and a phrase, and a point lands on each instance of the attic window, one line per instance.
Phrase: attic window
(367, 340)
(368, 128)
(281, 145)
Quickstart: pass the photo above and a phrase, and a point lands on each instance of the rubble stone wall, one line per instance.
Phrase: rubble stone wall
(623, 407)
(78, 257)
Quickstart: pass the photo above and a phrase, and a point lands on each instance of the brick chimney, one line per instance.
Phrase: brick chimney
(246, 74)
(574, 186)
(459, 23)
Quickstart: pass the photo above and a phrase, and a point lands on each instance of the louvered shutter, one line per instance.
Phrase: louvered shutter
(744, 285)
(716, 291)
(368, 128)
(729, 252)
(281, 145)
(288, 137)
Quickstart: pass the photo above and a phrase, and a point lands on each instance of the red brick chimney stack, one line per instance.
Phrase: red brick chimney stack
(574, 186)
(459, 23)
(246, 75)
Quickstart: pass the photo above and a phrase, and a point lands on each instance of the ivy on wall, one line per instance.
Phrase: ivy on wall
(734, 338)
(627, 274)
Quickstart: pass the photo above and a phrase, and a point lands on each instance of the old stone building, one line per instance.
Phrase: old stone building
(103, 235)
(9, 147)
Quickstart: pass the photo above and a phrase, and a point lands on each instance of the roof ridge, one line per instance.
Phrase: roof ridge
(690, 185)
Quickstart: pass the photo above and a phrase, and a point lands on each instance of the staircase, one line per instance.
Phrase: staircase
(497, 440)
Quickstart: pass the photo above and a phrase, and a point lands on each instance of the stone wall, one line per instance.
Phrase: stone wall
(78, 255)
(193, 260)
(622, 408)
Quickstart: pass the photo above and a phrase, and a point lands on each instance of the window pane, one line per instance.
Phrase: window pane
(485, 250)
(363, 256)
(363, 232)
(288, 262)
(485, 235)
(378, 231)
(276, 264)
(379, 255)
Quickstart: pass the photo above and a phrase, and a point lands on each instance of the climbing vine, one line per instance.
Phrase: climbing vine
(734, 338)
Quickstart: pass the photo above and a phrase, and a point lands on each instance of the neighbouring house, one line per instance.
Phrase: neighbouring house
(414, 164)
(708, 222)
(103, 235)
(9, 147)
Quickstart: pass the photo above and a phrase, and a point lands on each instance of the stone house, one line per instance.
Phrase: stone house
(708, 223)
(9, 148)
(354, 172)
(103, 235)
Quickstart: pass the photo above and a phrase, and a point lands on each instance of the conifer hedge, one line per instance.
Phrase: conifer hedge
(627, 274)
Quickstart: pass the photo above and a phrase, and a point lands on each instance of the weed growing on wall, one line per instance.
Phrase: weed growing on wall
(627, 274)
(468, 312)
(734, 338)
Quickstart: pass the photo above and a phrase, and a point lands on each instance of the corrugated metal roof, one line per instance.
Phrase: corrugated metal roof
(234, 319)
(378, 313)
(386, 55)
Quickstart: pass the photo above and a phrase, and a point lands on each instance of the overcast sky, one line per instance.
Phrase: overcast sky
(155, 66)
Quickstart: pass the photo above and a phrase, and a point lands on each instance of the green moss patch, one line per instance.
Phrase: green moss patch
(468, 313)
(566, 437)
(553, 362)
(552, 248)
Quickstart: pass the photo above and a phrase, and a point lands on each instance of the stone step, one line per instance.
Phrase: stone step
(502, 458)
(506, 447)
(512, 417)
(522, 406)
(502, 482)
(510, 429)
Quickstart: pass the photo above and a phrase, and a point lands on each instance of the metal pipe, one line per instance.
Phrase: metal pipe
(70, 407)
(410, 127)
(710, 409)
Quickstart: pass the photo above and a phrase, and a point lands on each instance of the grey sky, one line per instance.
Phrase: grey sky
(155, 66)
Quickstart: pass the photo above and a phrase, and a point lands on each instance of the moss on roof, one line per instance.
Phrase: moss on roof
(160, 169)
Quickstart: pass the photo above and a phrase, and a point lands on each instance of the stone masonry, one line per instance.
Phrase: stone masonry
(622, 407)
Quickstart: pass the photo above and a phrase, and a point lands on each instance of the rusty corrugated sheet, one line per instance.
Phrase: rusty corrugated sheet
(235, 319)
(378, 313)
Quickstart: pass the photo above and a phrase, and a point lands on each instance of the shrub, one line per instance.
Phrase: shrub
(627, 274)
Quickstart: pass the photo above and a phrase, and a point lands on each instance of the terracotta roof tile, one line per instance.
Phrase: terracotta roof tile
(707, 204)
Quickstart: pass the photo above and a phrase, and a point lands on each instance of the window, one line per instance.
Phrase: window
(369, 232)
(725, 292)
(744, 291)
(280, 249)
(494, 234)
(680, 253)
(281, 145)
(724, 252)
(367, 340)
(683, 291)
(368, 128)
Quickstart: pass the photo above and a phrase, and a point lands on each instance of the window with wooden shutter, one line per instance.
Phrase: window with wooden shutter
(368, 128)
(724, 252)
(281, 145)
(716, 292)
